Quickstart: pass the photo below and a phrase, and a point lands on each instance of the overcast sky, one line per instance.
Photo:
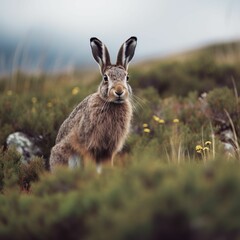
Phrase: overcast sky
(162, 26)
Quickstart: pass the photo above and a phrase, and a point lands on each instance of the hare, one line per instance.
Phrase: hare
(99, 125)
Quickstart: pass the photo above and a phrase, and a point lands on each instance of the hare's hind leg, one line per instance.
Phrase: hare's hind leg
(60, 155)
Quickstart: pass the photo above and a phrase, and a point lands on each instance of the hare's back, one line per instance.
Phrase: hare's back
(72, 120)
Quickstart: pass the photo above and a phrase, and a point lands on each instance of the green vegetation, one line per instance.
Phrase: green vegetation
(144, 200)
(173, 179)
(200, 71)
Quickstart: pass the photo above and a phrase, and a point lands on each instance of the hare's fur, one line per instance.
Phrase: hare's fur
(94, 129)
(99, 125)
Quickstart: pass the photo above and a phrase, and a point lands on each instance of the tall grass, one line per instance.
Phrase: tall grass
(173, 179)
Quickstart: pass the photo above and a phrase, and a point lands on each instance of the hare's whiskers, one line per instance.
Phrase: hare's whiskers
(137, 102)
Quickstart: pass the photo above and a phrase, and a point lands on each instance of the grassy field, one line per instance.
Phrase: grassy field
(174, 179)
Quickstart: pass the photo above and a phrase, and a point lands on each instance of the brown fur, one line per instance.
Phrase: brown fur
(99, 125)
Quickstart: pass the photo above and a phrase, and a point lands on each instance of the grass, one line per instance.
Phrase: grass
(173, 178)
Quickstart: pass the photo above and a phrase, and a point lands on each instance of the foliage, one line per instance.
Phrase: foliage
(200, 71)
(17, 176)
(173, 179)
(38, 111)
(145, 200)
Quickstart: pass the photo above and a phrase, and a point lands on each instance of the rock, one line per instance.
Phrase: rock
(25, 145)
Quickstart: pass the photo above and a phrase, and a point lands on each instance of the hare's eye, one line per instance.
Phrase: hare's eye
(127, 78)
(105, 78)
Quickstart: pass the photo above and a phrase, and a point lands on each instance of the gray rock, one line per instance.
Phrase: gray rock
(25, 145)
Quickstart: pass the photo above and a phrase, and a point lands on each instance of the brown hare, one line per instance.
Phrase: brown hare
(99, 125)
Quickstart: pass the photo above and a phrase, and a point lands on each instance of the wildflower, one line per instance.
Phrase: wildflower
(34, 100)
(161, 121)
(75, 90)
(208, 143)
(9, 92)
(206, 149)
(146, 130)
(156, 118)
(199, 148)
(175, 120)
(145, 125)
(49, 104)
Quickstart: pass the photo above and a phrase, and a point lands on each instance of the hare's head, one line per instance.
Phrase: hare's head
(114, 86)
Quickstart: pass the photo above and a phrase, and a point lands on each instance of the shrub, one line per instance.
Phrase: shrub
(145, 201)
(201, 73)
(17, 176)
(167, 182)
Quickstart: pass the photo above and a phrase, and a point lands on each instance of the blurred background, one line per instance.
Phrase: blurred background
(179, 168)
(53, 36)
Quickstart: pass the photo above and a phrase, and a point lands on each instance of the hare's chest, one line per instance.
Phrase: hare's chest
(117, 117)
(113, 123)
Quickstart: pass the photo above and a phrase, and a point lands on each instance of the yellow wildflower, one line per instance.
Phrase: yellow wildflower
(206, 149)
(146, 130)
(208, 143)
(161, 121)
(145, 125)
(175, 120)
(34, 100)
(156, 118)
(199, 148)
(75, 90)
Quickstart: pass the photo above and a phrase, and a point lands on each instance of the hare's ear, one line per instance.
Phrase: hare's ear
(100, 53)
(126, 52)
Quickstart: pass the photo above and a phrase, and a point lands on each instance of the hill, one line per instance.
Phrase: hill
(197, 70)
(176, 177)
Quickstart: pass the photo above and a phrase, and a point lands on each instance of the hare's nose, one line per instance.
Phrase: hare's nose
(119, 94)
(119, 91)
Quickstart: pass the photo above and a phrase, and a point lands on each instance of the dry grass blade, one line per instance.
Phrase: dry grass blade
(234, 134)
